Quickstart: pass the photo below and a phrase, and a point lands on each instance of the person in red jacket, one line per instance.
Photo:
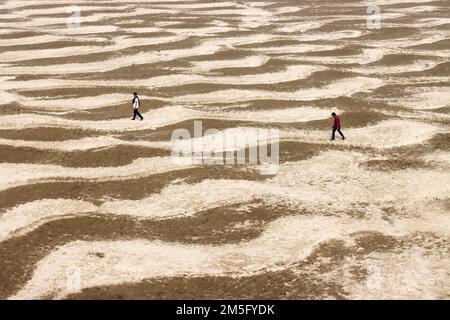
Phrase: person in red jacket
(336, 126)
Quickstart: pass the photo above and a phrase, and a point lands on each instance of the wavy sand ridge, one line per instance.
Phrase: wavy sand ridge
(186, 200)
(133, 261)
(92, 205)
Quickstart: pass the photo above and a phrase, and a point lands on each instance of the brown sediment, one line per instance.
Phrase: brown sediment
(440, 70)
(103, 157)
(438, 45)
(187, 43)
(444, 110)
(396, 59)
(389, 33)
(387, 91)
(142, 71)
(83, 58)
(47, 134)
(21, 34)
(134, 188)
(144, 35)
(444, 27)
(273, 65)
(375, 241)
(150, 20)
(347, 51)
(447, 203)
(13, 108)
(196, 88)
(328, 9)
(439, 142)
(72, 92)
(299, 151)
(86, 13)
(225, 54)
(187, 25)
(51, 45)
(342, 25)
(265, 286)
(269, 44)
(49, 5)
(396, 164)
(408, 157)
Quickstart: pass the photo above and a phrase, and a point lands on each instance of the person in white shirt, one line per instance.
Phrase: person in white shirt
(136, 104)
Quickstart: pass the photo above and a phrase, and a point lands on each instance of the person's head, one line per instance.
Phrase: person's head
(135, 94)
(333, 114)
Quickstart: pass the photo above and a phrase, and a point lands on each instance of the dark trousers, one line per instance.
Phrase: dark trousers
(334, 132)
(136, 113)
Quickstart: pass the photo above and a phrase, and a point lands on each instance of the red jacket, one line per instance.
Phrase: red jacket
(337, 122)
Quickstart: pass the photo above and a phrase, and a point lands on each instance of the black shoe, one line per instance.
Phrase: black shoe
(133, 119)
(142, 119)
(331, 139)
(343, 138)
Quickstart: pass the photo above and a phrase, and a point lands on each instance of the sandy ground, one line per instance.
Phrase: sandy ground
(92, 206)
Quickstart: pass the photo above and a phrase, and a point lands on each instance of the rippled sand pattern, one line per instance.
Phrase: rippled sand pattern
(93, 207)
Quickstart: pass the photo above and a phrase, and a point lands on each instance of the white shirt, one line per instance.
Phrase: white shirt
(136, 103)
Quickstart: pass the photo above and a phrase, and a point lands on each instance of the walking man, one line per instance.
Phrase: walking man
(136, 104)
(336, 126)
